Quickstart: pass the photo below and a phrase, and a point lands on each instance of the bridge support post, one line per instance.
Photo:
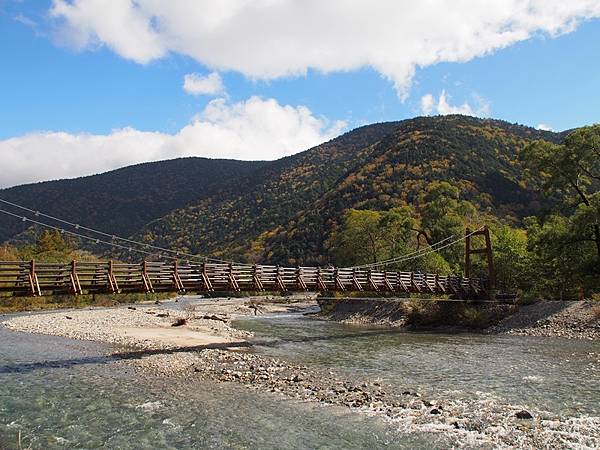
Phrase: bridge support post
(279, 280)
(487, 251)
(34, 285)
(146, 279)
(177, 283)
(300, 283)
(113, 287)
(74, 278)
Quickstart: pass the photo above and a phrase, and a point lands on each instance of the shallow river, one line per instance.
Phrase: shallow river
(58, 393)
(553, 374)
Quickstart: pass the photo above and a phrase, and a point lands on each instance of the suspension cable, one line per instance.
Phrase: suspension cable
(402, 257)
(72, 233)
(181, 255)
(113, 237)
(419, 254)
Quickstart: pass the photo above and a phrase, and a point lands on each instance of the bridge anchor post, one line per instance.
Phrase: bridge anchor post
(486, 251)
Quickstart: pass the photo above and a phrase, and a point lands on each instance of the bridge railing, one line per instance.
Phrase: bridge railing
(77, 277)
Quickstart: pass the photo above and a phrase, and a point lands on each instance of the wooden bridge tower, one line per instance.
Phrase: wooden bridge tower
(487, 251)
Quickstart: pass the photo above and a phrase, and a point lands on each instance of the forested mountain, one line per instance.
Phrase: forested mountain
(285, 211)
(122, 201)
(227, 222)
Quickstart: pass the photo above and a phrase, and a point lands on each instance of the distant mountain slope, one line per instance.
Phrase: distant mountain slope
(122, 201)
(284, 211)
(266, 198)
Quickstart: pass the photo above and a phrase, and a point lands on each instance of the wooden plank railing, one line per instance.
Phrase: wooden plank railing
(31, 278)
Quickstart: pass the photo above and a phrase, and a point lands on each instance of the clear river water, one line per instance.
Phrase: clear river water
(60, 393)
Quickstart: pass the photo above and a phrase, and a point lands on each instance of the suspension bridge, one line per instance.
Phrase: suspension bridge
(183, 273)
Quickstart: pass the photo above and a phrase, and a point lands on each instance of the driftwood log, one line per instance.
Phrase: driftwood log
(220, 317)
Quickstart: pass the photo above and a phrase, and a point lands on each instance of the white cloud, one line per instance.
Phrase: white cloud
(210, 84)
(25, 21)
(267, 39)
(254, 129)
(443, 106)
(544, 127)
(427, 104)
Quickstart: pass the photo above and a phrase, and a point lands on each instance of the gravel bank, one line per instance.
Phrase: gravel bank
(574, 320)
(142, 328)
(150, 327)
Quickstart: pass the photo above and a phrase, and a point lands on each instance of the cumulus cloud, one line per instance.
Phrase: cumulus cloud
(544, 127)
(267, 39)
(210, 84)
(443, 107)
(255, 129)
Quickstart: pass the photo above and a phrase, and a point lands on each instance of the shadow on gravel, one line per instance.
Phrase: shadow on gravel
(137, 354)
(104, 359)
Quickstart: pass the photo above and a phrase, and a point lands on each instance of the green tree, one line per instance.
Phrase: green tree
(570, 172)
(50, 246)
(560, 268)
(8, 253)
(566, 244)
(512, 260)
(444, 215)
(368, 236)
(360, 239)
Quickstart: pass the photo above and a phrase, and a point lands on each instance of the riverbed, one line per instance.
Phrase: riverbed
(64, 393)
(60, 393)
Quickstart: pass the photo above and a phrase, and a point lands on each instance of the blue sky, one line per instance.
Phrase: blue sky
(52, 83)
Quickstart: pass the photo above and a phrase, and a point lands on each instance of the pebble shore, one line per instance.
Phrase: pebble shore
(571, 320)
(112, 326)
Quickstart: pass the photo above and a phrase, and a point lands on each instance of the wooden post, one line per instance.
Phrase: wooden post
(146, 279)
(176, 278)
(256, 279)
(490, 260)
(113, 287)
(300, 283)
(320, 283)
(34, 284)
(279, 280)
(467, 253)
(75, 285)
(372, 283)
(357, 284)
(389, 285)
(487, 250)
(206, 279)
(338, 281)
(233, 284)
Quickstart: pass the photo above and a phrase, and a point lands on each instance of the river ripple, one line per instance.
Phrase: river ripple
(557, 375)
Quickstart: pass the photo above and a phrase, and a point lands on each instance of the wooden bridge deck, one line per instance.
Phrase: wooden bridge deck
(30, 278)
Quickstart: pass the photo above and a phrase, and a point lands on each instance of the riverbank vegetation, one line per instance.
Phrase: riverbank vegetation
(555, 254)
